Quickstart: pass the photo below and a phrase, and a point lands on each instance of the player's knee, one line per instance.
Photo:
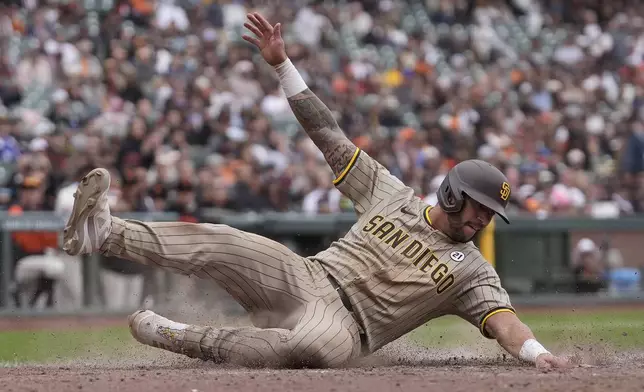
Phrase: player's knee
(224, 229)
(328, 353)
(227, 234)
(270, 356)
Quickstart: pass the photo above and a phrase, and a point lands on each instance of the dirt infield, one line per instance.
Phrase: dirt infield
(626, 374)
(398, 367)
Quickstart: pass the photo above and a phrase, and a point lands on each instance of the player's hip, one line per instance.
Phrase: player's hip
(349, 307)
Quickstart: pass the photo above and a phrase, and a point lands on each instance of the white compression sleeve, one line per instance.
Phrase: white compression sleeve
(290, 78)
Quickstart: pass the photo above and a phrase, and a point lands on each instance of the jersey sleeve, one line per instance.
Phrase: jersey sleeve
(365, 182)
(482, 298)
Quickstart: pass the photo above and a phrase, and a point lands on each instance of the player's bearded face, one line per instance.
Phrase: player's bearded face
(472, 218)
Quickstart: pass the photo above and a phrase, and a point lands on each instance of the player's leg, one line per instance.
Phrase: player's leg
(288, 295)
(325, 336)
(265, 277)
(260, 273)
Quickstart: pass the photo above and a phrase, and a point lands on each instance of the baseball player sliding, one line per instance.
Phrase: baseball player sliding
(402, 264)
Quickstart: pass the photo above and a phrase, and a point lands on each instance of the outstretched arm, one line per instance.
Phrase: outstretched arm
(518, 340)
(314, 116)
(485, 303)
(318, 122)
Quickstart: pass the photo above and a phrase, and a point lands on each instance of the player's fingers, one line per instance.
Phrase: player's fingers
(543, 365)
(278, 30)
(563, 363)
(252, 40)
(559, 363)
(256, 22)
(254, 29)
(267, 26)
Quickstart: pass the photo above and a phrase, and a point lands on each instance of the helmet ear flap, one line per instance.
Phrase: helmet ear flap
(450, 198)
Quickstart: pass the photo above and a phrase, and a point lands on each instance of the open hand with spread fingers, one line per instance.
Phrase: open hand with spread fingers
(268, 39)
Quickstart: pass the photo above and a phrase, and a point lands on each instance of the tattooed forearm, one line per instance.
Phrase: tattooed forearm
(318, 122)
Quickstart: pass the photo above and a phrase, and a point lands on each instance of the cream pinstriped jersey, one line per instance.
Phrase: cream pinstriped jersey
(397, 270)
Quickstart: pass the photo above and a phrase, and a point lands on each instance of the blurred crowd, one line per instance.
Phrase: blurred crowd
(185, 114)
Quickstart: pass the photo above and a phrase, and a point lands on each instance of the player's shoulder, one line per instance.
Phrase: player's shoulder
(403, 200)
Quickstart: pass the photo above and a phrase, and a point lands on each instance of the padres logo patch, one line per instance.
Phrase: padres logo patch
(505, 191)
(457, 256)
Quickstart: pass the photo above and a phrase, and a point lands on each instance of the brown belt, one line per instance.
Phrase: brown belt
(347, 304)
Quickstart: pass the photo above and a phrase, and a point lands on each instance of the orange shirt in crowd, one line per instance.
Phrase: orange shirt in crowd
(33, 242)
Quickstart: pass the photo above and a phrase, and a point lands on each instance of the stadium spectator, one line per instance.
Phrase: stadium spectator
(589, 267)
(324, 198)
(35, 264)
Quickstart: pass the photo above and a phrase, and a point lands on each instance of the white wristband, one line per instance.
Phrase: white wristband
(290, 78)
(531, 349)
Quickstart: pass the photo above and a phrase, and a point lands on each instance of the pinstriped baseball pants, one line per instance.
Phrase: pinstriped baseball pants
(298, 318)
